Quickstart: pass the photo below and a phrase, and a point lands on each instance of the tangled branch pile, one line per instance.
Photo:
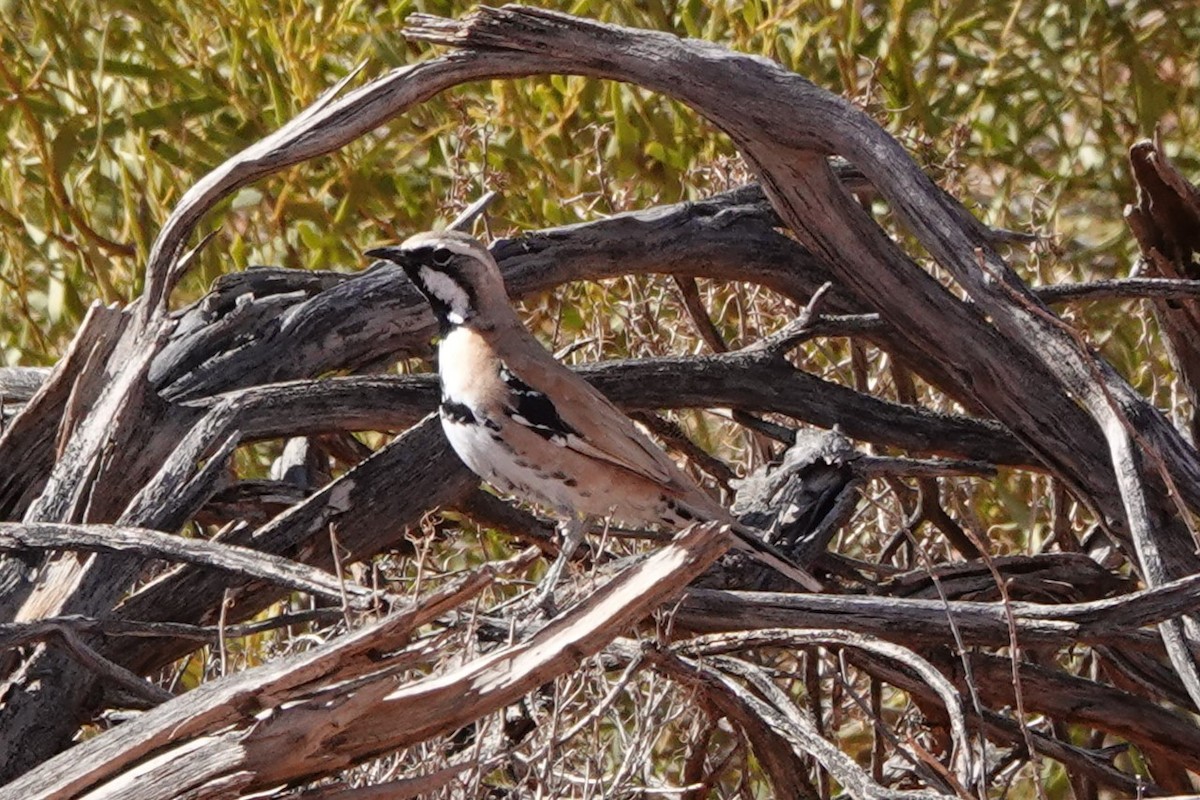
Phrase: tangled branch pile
(931, 667)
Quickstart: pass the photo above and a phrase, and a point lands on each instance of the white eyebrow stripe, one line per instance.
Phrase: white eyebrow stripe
(462, 248)
(454, 246)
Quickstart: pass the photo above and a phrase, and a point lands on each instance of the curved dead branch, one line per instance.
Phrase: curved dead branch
(1018, 340)
(237, 731)
(719, 644)
(189, 387)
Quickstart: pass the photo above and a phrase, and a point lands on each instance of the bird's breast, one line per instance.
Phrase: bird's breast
(469, 371)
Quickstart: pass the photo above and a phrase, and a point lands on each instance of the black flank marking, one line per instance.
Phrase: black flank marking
(678, 510)
(572, 483)
(535, 410)
(457, 412)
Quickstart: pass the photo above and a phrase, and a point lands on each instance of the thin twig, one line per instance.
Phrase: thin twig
(17, 634)
(111, 672)
(466, 219)
(713, 644)
(18, 537)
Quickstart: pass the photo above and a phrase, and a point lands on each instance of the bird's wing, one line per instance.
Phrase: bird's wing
(552, 400)
(581, 418)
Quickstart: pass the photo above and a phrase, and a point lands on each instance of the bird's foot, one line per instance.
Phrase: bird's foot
(543, 598)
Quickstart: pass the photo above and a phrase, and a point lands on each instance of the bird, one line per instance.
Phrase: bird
(531, 427)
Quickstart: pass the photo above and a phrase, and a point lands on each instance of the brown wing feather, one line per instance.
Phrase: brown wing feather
(604, 430)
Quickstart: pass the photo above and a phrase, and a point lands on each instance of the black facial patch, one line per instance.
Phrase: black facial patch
(441, 311)
(423, 256)
(535, 410)
(435, 259)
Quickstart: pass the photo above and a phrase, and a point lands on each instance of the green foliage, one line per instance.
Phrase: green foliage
(111, 110)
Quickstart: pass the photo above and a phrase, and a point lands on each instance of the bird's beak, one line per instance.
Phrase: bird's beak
(393, 254)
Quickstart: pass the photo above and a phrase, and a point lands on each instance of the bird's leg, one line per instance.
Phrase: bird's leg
(572, 530)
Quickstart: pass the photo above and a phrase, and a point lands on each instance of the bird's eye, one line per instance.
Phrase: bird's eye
(441, 256)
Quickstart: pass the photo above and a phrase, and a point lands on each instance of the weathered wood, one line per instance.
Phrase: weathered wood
(1117, 621)
(754, 104)
(1096, 765)
(293, 719)
(154, 544)
(802, 500)
(17, 634)
(27, 444)
(1079, 701)
(784, 767)
(67, 583)
(365, 506)
(236, 698)
(18, 384)
(719, 644)
(779, 711)
(751, 380)
(137, 423)
(1008, 338)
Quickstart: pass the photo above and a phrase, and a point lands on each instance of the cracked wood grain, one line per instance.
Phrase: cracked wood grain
(153, 544)
(1007, 338)
(293, 719)
(210, 376)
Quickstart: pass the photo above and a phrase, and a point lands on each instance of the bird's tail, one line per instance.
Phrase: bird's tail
(748, 541)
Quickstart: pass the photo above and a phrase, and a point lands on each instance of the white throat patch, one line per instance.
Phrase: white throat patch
(449, 292)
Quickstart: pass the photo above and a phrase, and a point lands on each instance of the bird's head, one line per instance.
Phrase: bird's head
(455, 272)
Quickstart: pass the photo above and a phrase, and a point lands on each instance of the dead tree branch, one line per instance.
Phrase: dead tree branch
(130, 438)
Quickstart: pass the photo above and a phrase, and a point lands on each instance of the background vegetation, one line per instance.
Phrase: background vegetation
(111, 110)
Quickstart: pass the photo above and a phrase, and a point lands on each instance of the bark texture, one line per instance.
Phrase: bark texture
(128, 442)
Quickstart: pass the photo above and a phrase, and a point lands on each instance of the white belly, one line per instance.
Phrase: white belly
(491, 460)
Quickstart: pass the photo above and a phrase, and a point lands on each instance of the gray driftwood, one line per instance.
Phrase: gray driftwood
(127, 442)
